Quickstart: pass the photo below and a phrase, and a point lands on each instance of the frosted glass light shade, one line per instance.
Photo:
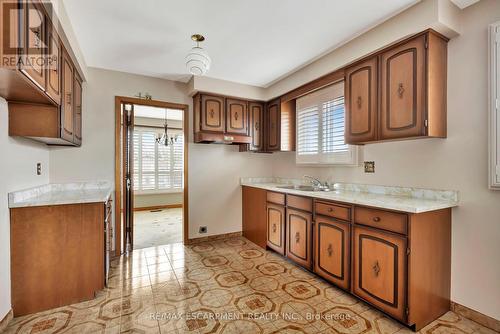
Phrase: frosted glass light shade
(197, 61)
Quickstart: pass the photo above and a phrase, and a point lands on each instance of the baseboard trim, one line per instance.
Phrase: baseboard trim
(158, 207)
(5, 321)
(476, 316)
(214, 237)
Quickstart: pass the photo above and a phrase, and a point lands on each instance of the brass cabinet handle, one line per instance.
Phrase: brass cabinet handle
(211, 112)
(329, 250)
(376, 268)
(297, 237)
(236, 116)
(401, 90)
(376, 219)
(274, 228)
(359, 101)
(256, 126)
(330, 209)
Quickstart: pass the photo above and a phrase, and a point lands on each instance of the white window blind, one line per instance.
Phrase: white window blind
(320, 129)
(157, 167)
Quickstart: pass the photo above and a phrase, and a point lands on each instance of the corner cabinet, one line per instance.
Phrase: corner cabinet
(220, 119)
(45, 93)
(399, 93)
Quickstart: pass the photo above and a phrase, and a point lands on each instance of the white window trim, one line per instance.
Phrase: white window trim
(494, 107)
(349, 158)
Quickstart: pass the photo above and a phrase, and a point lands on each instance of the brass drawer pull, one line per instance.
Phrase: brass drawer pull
(359, 101)
(297, 237)
(376, 268)
(401, 90)
(329, 250)
(376, 219)
(330, 209)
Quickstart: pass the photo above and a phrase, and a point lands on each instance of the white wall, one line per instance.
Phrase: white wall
(458, 162)
(149, 200)
(214, 170)
(18, 171)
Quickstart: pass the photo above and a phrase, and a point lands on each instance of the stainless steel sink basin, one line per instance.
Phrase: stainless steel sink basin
(299, 187)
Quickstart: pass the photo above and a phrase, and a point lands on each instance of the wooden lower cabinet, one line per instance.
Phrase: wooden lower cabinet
(299, 240)
(276, 227)
(254, 215)
(332, 250)
(379, 270)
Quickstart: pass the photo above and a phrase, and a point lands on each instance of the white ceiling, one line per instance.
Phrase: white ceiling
(253, 42)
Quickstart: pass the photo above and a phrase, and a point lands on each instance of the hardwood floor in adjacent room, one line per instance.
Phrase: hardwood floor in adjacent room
(228, 286)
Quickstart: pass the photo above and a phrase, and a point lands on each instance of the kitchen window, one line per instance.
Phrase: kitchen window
(157, 168)
(320, 129)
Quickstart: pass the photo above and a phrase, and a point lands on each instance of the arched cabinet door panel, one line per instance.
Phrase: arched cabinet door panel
(299, 239)
(237, 116)
(276, 227)
(212, 113)
(361, 102)
(379, 270)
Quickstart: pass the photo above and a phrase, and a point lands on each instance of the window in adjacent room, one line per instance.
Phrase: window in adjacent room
(320, 129)
(157, 168)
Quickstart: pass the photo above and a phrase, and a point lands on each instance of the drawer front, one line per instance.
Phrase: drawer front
(298, 202)
(276, 198)
(386, 220)
(333, 210)
(276, 228)
(332, 250)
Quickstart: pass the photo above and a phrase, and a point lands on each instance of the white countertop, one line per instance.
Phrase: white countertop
(61, 193)
(412, 200)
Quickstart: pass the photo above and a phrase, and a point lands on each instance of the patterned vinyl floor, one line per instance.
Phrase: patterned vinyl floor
(229, 286)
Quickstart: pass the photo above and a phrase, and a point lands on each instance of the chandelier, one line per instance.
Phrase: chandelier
(197, 60)
(164, 139)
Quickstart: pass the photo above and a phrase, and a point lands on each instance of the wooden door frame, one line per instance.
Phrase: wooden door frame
(119, 100)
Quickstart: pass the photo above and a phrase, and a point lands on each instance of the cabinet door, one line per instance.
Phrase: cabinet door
(273, 125)
(212, 113)
(332, 245)
(77, 89)
(361, 102)
(54, 65)
(236, 116)
(35, 46)
(276, 227)
(299, 239)
(256, 111)
(67, 117)
(403, 111)
(379, 269)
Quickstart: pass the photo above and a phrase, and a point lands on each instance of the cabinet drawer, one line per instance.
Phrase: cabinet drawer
(298, 202)
(333, 210)
(276, 198)
(386, 220)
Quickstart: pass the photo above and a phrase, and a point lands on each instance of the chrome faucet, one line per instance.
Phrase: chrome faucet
(316, 182)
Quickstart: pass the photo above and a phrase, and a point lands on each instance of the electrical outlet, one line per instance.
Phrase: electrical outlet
(369, 166)
(38, 168)
(203, 229)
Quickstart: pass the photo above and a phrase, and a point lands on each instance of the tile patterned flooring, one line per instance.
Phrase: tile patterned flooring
(229, 286)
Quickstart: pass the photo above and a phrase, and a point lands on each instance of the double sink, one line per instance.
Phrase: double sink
(304, 188)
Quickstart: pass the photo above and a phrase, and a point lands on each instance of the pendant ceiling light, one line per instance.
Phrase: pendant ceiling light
(197, 59)
(164, 138)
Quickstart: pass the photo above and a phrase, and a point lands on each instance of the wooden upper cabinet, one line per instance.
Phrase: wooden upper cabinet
(77, 92)
(35, 43)
(361, 102)
(299, 239)
(67, 107)
(256, 110)
(273, 124)
(236, 116)
(276, 227)
(403, 81)
(54, 65)
(379, 270)
(212, 113)
(332, 250)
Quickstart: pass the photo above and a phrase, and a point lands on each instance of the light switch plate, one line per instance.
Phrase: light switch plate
(369, 166)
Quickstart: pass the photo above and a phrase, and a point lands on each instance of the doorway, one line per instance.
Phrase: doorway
(151, 202)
